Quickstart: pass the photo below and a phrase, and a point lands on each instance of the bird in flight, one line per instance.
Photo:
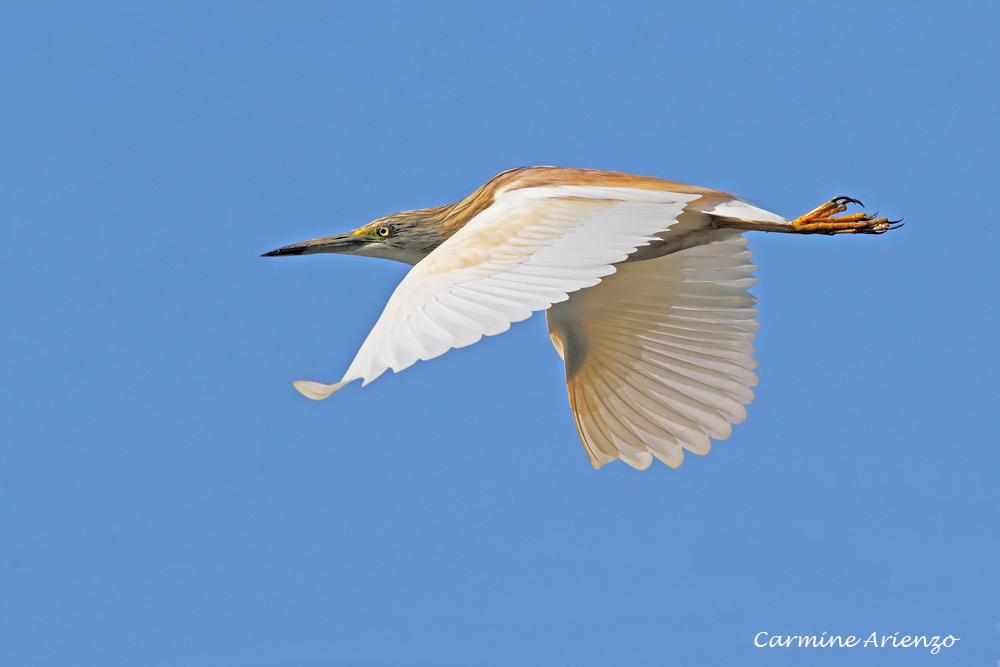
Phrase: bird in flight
(644, 283)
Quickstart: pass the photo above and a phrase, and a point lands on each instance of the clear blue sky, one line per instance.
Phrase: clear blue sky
(168, 498)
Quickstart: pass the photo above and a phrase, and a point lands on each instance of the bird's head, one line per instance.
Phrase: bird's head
(405, 237)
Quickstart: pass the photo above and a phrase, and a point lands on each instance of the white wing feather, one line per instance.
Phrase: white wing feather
(659, 355)
(531, 248)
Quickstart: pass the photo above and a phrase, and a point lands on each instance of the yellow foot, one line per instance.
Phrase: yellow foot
(819, 220)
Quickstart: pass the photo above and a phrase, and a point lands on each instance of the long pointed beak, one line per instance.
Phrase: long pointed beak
(338, 243)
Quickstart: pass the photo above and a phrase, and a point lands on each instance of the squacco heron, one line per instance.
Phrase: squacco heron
(644, 283)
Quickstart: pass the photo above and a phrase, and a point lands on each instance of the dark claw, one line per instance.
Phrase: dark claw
(885, 226)
(846, 200)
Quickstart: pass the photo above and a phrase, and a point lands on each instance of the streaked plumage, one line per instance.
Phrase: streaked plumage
(644, 282)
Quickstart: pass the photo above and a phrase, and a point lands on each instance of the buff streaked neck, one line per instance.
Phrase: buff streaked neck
(412, 235)
(415, 234)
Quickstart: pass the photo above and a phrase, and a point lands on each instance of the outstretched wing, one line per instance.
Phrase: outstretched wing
(659, 355)
(531, 248)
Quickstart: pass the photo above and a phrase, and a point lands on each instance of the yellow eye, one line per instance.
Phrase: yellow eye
(383, 230)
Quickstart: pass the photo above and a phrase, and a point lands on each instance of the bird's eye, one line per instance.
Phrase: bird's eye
(383, 230)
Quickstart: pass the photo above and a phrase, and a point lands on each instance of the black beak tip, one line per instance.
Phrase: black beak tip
(287, 250)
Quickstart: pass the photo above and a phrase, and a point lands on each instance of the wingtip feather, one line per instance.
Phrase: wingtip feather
(317, 391)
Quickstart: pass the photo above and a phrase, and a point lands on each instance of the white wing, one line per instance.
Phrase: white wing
(659, 355)
(530, 249)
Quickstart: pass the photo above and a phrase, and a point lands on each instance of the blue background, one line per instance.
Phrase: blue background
(167, 498)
